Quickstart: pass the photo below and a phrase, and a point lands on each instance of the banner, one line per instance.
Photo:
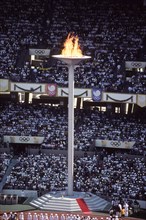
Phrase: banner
(141, 100)
(84, 93)
(96, 94)
(39, 52)
(27, 87)
(24, 139)
(114, 144)
(134, 64)
(4, 85)
(119, 97)
(51, 89)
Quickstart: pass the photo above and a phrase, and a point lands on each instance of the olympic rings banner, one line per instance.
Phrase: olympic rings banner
(134, 64)
(24, 139)
(114, 144)
(39, 52)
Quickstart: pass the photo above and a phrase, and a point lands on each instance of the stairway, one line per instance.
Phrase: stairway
(22, 58)
(83, 206)
(80, 201)
(8, 171)
(96, 203)
(48, 202)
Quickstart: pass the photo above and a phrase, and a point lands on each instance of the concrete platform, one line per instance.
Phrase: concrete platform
(60, 201)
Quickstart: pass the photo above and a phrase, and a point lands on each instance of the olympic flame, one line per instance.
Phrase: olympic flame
(71, 47)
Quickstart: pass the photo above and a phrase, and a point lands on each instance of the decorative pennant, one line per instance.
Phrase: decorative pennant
(51, 89)
(96, 94)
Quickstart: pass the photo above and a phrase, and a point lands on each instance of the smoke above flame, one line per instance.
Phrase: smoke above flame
(71, 47)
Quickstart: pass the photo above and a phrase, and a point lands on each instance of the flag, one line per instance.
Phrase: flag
(51, 89)
(96, 94)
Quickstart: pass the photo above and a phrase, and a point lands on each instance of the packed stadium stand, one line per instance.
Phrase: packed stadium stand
(110, 98)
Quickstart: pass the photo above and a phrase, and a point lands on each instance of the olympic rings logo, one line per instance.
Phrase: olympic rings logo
(24, 139)
(137, 65)
(115, 143)
(39, 52)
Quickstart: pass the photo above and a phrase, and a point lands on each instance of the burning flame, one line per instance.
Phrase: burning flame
(71, 47)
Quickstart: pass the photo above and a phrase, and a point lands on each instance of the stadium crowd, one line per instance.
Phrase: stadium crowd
(19, 119)
(111, 33)
(103, 174)
(35, 120)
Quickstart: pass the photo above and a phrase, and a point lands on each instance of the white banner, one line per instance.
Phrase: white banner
(86, 93)
(24, 139)
(114, 144)
(28, 87)
(39, 52)
(134, 64)
(141, 100)
(119, 97)
(4, 85)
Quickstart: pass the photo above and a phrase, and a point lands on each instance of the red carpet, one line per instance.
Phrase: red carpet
(83, 206)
